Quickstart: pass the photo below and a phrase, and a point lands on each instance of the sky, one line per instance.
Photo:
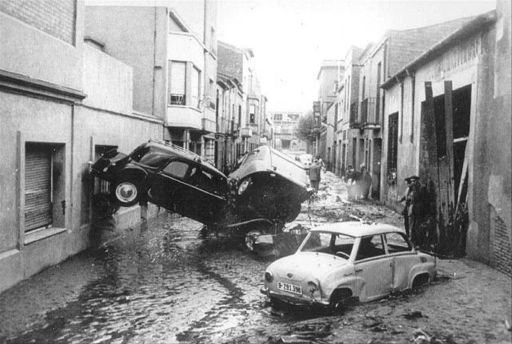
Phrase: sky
(291, 38)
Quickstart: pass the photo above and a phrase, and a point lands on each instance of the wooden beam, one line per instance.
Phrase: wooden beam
(448, 122)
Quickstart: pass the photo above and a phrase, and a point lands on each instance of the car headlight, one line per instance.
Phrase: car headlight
(244, 185)
(314, 289)
(268, 276)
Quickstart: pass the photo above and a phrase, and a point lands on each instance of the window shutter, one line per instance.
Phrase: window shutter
(38, 207)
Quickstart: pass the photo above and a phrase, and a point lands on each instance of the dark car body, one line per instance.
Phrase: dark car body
(274, 185)
(266, 185)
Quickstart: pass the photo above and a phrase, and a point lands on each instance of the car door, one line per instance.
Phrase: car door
(204, 199)
(404, 258)
(190, 190)
(168, 185)
(373, 267)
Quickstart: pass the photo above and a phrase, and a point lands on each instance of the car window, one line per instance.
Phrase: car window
(317, 241)
(202, 179)
(370, 246)
(176, 169)
(328, 243)
(150, 156)
(343, 243)
(397, 243)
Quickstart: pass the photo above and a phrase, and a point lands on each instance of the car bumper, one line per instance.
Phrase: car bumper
(299, 301)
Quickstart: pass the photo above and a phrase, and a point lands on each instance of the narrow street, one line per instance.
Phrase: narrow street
(161, 283)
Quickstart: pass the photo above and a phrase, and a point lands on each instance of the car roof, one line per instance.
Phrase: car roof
(182, 152)
(356, 229)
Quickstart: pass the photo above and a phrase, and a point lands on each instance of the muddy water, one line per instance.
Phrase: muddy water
(162, 284)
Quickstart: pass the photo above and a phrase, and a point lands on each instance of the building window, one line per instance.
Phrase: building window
(278, 117)
(213, 41)
(44, 186)
(393, 142)
(213, 96)
(177, 82)
(252, 114)
(239, 115)
(195, 87)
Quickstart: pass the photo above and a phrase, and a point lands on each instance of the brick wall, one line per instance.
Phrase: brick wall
(500, 244)
(55, 17)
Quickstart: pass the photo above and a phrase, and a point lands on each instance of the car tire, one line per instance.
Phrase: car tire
(126, 191)
(339, 299)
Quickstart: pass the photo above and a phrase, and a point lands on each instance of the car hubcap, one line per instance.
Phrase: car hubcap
(250, 239)
(126, 192)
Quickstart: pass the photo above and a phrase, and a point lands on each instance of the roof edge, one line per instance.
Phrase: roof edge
(478, 23)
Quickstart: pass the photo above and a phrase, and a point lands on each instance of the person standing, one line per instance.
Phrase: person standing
(365, 182)
(314, 174)
(405, 211)
(412, 209)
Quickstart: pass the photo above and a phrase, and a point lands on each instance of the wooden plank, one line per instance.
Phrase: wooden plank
(463, 176)
(448, 121)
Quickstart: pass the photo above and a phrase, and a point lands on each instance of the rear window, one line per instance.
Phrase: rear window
(150, 156)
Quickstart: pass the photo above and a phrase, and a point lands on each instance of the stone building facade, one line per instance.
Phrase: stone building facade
(62, 103)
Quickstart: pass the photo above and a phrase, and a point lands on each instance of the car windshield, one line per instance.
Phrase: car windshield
(329, 243)
(150, 156)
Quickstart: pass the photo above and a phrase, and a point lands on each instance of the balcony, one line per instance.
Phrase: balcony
(369, 117)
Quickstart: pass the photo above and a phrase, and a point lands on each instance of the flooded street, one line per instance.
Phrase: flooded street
(162, 283)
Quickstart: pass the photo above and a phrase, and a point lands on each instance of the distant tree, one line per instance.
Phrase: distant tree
(306, 128)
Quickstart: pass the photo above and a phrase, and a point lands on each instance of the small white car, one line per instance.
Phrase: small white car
(345, 260)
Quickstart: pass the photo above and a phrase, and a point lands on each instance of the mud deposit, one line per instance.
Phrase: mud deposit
(162, 283)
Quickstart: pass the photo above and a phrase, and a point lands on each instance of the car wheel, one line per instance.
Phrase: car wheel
(127, 192)
(339, 298)
(420, 281)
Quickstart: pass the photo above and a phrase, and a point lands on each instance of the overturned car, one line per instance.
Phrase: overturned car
(266, 187)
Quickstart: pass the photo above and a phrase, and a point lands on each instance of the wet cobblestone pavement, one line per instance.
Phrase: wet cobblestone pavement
(162, 283)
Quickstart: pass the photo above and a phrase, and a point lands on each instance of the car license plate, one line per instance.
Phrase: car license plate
(291, 288)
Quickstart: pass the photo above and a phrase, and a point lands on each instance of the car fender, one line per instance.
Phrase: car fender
(349, 281)
(420, 268)
(131, 169)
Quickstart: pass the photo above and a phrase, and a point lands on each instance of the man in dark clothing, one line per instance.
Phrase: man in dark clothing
(314, 174)
(412, 208)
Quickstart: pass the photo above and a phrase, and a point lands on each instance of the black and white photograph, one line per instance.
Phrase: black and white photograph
(255, 171)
